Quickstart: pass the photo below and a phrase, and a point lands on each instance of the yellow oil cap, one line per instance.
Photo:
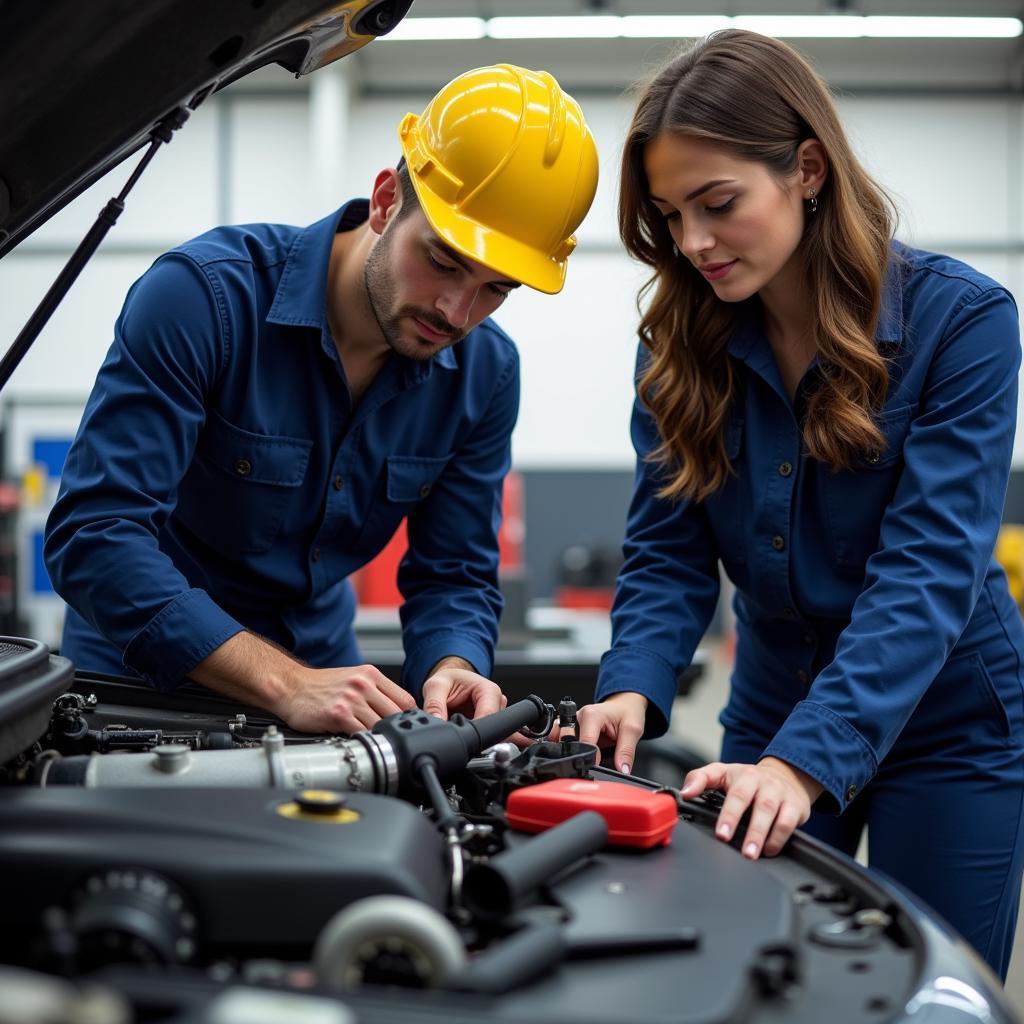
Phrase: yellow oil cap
(324, 805)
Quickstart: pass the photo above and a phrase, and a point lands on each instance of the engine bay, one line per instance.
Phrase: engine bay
(182, 855)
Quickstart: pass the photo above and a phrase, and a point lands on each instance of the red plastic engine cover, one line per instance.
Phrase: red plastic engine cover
(635, 817)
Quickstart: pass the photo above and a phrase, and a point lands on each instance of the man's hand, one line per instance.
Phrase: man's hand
(453, 685)
(779, 797)
(340, 699)
(619, 719)
(249, 668)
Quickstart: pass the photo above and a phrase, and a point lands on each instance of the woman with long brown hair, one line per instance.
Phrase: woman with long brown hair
(831, 415)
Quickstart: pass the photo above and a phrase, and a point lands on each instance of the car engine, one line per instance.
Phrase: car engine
(173, 858)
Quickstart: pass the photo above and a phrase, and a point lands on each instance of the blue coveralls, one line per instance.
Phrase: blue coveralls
(221, 478)
(878, 648)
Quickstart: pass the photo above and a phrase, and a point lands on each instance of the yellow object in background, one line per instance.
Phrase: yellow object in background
(33, 485)
(1010, 555)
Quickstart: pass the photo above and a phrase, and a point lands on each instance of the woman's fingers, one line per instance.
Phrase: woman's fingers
(711, 776)
(777, 804)
(619, 719)
(766, 803)
(788, 820)
(595, 724)
(741, 786)
(629, 733)
(592, 720)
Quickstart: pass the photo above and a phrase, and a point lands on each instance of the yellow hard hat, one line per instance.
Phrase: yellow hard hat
(505, 168)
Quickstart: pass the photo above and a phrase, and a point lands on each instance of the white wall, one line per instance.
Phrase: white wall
(953, 163)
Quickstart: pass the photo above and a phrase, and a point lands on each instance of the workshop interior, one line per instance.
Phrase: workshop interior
(177, 857)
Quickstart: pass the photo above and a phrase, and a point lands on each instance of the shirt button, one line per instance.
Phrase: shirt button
(789, 613)
(808, 639)
(316, 554)
(243, 467)
(874, 456)
(785, 468)
(851, 792)
(338, 482)
(778, 542)
(802, 677)
(424, 490)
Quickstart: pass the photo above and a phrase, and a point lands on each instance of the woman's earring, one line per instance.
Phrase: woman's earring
(812, 197)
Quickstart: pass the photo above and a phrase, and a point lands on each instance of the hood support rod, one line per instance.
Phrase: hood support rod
(107, 218)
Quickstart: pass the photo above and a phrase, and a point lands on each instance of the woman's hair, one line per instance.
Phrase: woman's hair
(757, 99)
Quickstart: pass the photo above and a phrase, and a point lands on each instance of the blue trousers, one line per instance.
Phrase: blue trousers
(945, 822)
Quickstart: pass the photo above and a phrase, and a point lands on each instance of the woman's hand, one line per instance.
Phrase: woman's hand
(618, 719)
(453, 685)
(779, 797)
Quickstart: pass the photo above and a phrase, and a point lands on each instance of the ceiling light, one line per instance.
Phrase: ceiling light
(655, 26)
(799, 26)
(584, 26)
(438, 28)
(672, 26)
(878, 26)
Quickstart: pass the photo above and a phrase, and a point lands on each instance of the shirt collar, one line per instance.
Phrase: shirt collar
(301, 296)
(890, 316)
(418, 370)
(747, 330)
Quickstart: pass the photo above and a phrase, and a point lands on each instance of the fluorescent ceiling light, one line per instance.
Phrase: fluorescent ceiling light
(879, 26)
(847, 26)
(684, 26)
(438, 28)
(672, 26)
(810, 26)
(584, 26)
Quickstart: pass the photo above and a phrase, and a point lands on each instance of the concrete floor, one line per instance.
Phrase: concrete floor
(695, 722)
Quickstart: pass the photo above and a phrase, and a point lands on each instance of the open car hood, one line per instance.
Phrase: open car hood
(83, 84)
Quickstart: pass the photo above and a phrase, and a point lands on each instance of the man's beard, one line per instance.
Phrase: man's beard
(380, 294)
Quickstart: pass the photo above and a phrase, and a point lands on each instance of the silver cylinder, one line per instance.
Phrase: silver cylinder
(354, 764)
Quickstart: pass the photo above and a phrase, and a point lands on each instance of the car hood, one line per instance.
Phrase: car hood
(84, 84)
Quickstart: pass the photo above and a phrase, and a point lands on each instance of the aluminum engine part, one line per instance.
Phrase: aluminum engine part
(365, 762)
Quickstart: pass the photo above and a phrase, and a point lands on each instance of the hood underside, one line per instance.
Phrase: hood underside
(83, 84)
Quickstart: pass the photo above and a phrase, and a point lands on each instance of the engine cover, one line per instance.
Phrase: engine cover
(258, 872)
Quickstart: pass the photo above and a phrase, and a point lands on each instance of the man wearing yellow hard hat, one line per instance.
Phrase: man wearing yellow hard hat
(278, 399)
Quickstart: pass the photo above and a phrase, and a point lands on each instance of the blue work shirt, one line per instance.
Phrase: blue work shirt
(221, 478)
(855, 590)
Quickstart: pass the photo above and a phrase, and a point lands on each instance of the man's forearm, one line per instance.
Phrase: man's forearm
(452, 661)
(249, 669)
(320, 700)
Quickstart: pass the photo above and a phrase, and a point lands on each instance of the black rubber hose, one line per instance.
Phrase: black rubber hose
(445, 816)
(493, 890)
(513, 962)
(494, 728)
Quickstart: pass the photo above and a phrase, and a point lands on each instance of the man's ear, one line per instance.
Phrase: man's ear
(385, 199)
(812, 165)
